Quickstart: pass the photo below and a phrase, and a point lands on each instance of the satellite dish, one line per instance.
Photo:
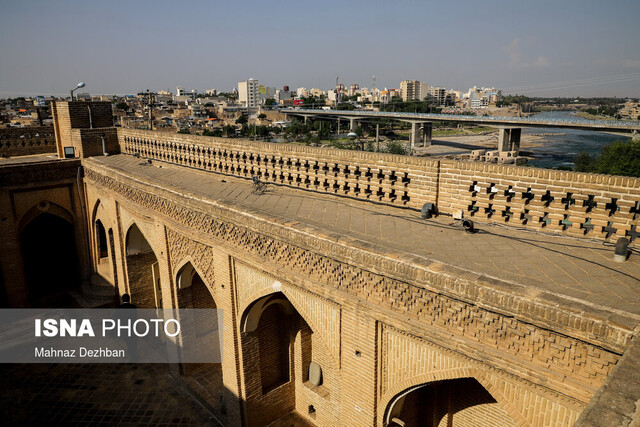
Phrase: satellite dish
(81, 84)
(352, 135)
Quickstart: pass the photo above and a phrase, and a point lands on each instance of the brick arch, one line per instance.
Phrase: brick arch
(407, 386)
(138, 222)
(286, 291)
(99, 212)
(45, 206)
(189, 260)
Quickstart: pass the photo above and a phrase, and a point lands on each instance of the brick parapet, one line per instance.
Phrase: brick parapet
(27, 141)
(575, 204)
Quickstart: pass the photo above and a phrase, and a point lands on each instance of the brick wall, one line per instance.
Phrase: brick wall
(88, 142)
(70, 116)
(571, 203)
(141, 279)
(27, 141)
(273, 334)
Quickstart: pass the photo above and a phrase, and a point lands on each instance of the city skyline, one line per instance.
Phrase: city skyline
(569, 49)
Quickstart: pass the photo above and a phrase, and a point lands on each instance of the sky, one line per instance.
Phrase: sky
(537, 48)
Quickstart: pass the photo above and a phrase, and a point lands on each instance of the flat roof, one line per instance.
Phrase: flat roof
(580, 269)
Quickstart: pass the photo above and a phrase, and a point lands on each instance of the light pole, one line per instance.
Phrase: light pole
(80, 85)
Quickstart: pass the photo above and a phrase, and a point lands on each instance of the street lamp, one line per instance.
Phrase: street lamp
(80, 85)
(354, 137)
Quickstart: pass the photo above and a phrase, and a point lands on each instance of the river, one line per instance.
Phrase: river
(560, 146)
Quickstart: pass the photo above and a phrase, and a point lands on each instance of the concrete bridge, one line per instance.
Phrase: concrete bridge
(526, 322)
(510, 127)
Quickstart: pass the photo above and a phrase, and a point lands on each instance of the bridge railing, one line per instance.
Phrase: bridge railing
(27, 141)
(577, 204)
(623, 125)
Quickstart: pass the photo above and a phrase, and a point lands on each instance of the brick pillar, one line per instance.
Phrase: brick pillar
(359, 358)
(11, 265)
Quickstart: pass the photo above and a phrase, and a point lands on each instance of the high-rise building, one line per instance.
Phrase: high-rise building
(413, 90)
(248, 93)
(438, 95)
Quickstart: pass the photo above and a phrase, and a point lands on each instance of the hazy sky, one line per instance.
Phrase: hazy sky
(583, 48)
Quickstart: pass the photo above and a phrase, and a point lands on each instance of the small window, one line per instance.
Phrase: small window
(69, 152)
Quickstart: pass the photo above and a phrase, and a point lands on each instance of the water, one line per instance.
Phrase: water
(559, 146)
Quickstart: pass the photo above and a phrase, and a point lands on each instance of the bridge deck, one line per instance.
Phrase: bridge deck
(577, 123)
(580, 269)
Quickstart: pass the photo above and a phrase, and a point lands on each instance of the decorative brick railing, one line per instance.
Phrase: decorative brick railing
(573, 203)
(26, 141)
(385, 178)
(577, 204)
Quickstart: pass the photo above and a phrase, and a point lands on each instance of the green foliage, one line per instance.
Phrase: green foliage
(513, 99)
(584, 162)
(345, 106)
(229, 130)
(395, 147)
(262, 116)
(122, 106)
(270, 101)
(214, 132)
(184, 131)
(314, 101)
(324, 132)
(617, 158)
(242, 120)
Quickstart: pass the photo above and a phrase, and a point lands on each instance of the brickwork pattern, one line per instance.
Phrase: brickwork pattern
(322, 314)
(310, 343)
(27, 141)
(408, 361)
(585, 364)
(141, 279)
(576, 204)
(382, 178)
(200, 255)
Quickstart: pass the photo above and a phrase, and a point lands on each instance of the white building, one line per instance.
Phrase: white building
(248, 93)
(180, 91)
(413, 90)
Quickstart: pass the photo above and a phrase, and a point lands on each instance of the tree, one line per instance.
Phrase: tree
(242, 120)
(270, 101)
(262, 116)
(184, 131)
(583, 162)
(617, 158)
(395, 147)
(122, 106)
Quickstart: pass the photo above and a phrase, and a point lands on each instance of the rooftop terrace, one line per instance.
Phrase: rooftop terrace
(580, 269)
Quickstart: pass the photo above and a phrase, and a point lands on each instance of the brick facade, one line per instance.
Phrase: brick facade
(27, 141)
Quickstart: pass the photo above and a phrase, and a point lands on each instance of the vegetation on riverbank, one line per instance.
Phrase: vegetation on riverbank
(617, 158)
